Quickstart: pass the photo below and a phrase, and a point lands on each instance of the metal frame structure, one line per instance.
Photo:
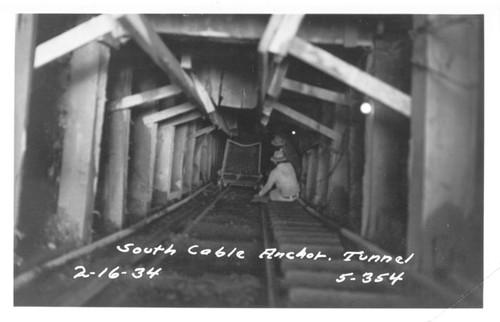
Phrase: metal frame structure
(240, 179)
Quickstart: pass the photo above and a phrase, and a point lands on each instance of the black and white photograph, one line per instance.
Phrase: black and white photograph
(250, 160)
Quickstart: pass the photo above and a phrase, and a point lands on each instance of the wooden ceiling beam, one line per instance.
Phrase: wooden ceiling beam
(146, 37)
(351, 75)
(306, 121)
(168, 113)
(138, 99)
(72, 39)
(204, 131)
(183, 119)
(249, 28)
(316, 92)
(263, 64)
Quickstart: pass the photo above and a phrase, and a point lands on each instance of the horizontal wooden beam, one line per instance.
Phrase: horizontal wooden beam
(147, 38)
(168, 113)
(144, 97)
(314, 91)
(73, 39)
(351, 75)
(184, 119)
(249, 28)
(205, 130)
(306, 121)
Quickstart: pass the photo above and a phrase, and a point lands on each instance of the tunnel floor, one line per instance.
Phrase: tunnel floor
(188, 278)
(209, 253)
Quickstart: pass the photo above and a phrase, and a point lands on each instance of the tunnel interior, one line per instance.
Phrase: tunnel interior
(130, 163)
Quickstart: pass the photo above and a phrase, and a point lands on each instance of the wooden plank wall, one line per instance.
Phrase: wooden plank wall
(324, 169)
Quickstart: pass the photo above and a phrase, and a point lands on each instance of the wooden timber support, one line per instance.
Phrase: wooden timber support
(73, 39)
(142, 32)
(189, 158)
(25, 47)
(147, 38)
(130, 101)
(306, 121)
(320, 196)
(178, 161)
(274, 89)
(279, 32)
(316, 92)
(168, 113)
(142, 158)
(351, 75)
(214, 116)
(248, 29)
(205, 130)
(84, 102)
(448, 125)
(183, 119)
(285, 32)
(116, 167)
(263, 56)
(163, 165)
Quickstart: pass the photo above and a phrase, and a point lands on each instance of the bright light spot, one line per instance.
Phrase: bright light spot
(293, 132)
(366, 108)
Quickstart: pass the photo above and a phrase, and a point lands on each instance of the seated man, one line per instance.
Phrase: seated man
(279, 142)
(283, 176)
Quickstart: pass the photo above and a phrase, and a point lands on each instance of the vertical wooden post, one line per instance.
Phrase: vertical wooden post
(25, 48)
(355, 156)
(84, 108)
(303, 175)
(323, 160)
(312, 170)
(210, 150)
(338, 182)
(386, 149)
(189, 162)
(445, 195)
(143, 155)
(197, 162)
(163, 165)
(115, 177)
(204, 160)
(178, 161)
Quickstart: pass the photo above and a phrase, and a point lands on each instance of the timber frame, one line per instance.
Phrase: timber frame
(279, 40)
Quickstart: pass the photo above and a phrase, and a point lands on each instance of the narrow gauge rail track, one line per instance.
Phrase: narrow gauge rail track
(207, 254)
(330, 281)
(216, 239)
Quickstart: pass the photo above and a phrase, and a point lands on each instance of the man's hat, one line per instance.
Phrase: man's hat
(278, 141)
(278, 156)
